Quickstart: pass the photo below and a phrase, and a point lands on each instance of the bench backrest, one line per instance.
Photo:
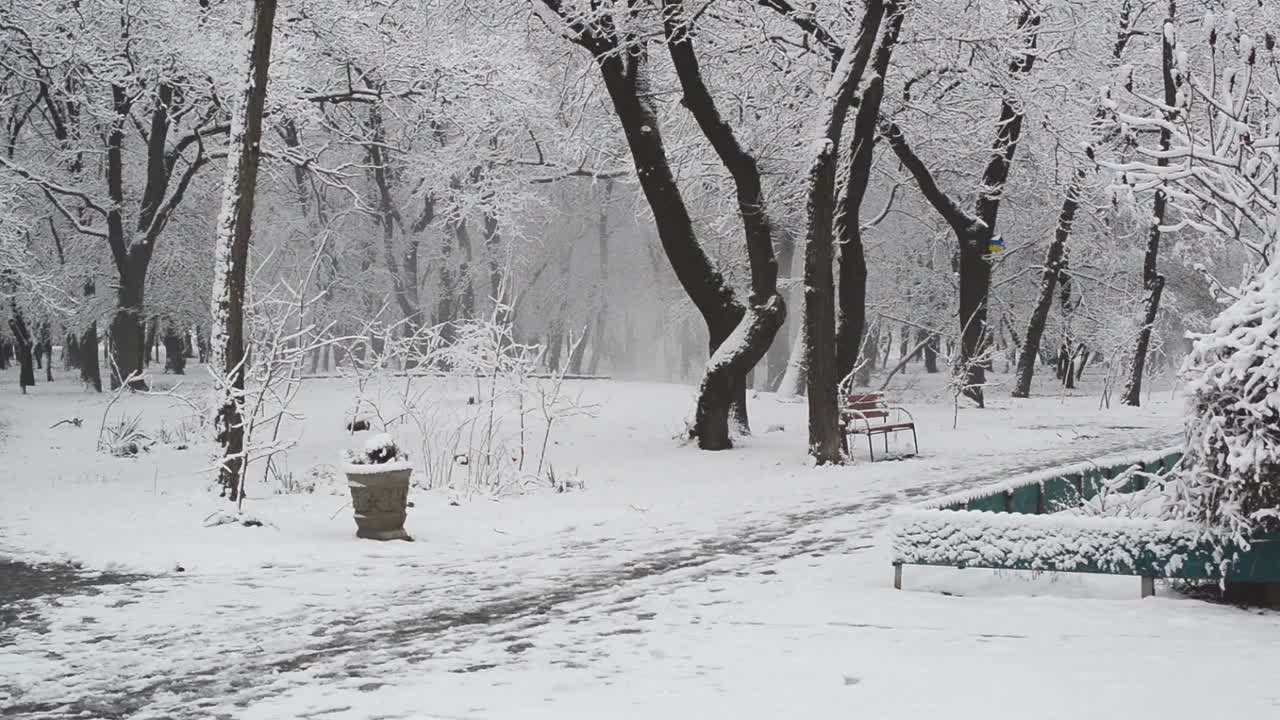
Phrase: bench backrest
(868, 405)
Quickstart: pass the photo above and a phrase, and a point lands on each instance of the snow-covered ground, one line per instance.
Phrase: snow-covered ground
(743, 583)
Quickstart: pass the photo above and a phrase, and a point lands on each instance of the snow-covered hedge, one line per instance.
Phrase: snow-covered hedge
(1050, 543)
(939, 532)
(1232, 480)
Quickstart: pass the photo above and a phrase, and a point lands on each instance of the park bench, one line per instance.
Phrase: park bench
(870, 414)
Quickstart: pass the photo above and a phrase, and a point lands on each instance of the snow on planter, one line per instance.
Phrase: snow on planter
(380, 454)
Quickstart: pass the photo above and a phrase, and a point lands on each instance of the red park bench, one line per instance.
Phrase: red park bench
(869, 414)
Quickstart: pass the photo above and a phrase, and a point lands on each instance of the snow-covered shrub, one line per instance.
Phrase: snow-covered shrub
(1231, 482)
(378, 450)
(125, 437)
(473, 401)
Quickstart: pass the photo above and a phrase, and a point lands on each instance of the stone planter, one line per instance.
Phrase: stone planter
(379, 494)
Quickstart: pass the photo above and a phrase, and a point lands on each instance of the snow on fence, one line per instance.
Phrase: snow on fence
(1016, 525)
(1052, 488)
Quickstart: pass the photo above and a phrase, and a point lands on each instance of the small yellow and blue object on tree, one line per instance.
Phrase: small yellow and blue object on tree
(996, 245)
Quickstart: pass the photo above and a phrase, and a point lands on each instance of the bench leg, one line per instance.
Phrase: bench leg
(886, 444)
(1148, 587)
(871, 448)
(897, 576)
(914, 442)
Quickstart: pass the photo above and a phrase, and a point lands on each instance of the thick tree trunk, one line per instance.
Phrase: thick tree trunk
(232, 251)
(1152, 280)
(725, 377)
(128, 338)
(623, 64)
(819, 292)
(23, 349)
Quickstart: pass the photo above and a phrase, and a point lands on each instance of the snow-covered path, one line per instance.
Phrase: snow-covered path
(240, 643)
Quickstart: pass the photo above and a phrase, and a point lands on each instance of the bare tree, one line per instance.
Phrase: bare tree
(233, 235)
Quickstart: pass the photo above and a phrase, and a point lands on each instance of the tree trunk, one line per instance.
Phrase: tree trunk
(128, 338)
(819, 313)
(577, 352)
(149, 343)
(1152, 280)
(732, 358)
(602, 307)
(555, 344)
(90, 371)
(232, 250)
(779, 354)
(931, 354)
(1048, 280)
(23, 346)
(795, 379)
(974, 232)
(174, 360)
(851, 317)
(870, 356)
(70, 352)
(623, 64)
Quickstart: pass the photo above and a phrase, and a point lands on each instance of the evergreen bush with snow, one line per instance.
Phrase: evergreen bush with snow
(1231, 480)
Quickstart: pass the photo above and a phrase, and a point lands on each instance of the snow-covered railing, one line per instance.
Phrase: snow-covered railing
(1015, 525)
(1060, 487)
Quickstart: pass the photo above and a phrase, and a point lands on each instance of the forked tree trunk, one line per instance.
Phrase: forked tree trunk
(724, 383)
(819, 291)
(1048, 281)
(623, 63)
(232, 250)
(851, 316)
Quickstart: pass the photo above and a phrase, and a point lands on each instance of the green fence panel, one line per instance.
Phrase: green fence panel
(1026, 500)
(990, 503)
